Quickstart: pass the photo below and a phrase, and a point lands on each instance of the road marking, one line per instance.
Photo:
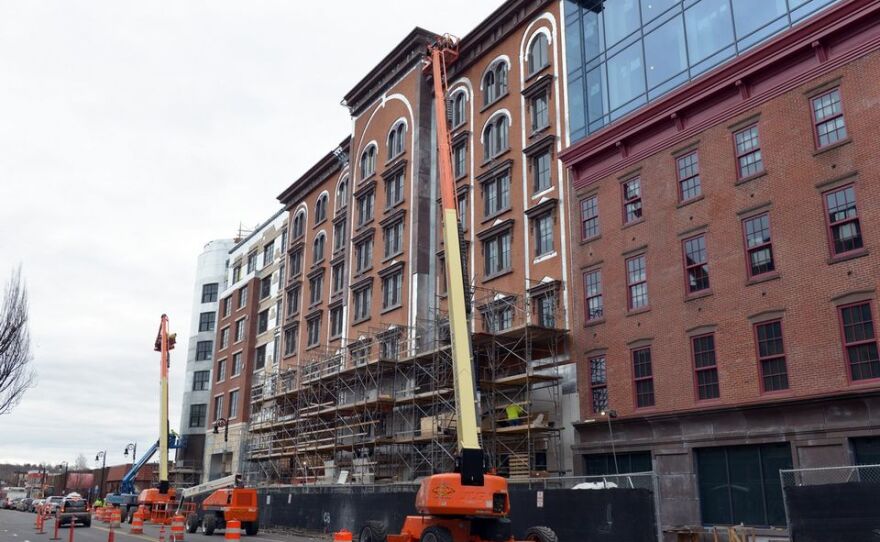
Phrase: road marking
(122, 533)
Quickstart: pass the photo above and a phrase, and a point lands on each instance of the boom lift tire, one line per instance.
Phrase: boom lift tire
(129, 515)
(541, 534)
(192, 523)
(251, 528)
(436, 534)
(209, 523)
(373, 531)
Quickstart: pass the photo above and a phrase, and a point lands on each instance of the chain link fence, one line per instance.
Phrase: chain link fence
(830, 475)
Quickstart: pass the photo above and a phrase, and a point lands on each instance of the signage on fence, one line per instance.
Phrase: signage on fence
(540, 499)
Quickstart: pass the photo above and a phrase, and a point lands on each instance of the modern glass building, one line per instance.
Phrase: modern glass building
(622, 54)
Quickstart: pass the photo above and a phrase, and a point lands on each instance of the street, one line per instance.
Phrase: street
(19, 527)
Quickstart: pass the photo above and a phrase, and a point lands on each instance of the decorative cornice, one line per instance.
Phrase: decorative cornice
(311, 179)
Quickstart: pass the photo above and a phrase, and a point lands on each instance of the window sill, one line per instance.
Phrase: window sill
(489, 162)
(494, 216)
(832, 146)
(589, 240)
(544, 257)
(361, 321)
(697, 295)
(636, 312)
(544, 192)
(364, 224)
(489, 278)
(594, 322)
(390, 309)
(503, 95)
(387, 259)
(535, 132)
(846, 256)
(316, 224)
(312, 347)
(633, 223)
(393, 206)
(750, 178)
(334, 339)
(394, 158)
(361, 272)
(764, 277)
(687, 202)
(534, 75)
(367, 178)
(777, 393)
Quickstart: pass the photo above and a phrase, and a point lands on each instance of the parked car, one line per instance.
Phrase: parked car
(36, 504)
(24, 505)
(54, 502)
(74, 510)
(13, 504)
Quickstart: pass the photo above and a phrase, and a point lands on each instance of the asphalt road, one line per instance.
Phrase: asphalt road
(19, 527)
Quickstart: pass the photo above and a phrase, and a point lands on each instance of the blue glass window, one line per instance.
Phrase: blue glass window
(665, 52)
(709, 28)
(652, 9)
(626, 76)
(621, 19)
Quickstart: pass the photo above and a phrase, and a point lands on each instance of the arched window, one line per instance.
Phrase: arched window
(495, 137)
(321, 209)
(299, 224)
(538, 57)
(368, 162)
(342, 194)
(396, 139)
(459, 114)
(495, 82)
(318, 252)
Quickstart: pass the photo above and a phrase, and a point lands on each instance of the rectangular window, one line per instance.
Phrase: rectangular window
(593, 294)
(268, 254)
(543, 234)
(394, 190)
(316, 289)
(227, 306)
(540, 112)
(201, 380)
(497, 254)
(336, 322)
(284, 240)
(546, 308)
(209, 292)
(260, 358)
(589, 217)
(706, 367)
(290, 341)
(499, 316)
(236, 273)
(293, 300)
(197, 415)
(689, 186)
(339, 235)
(696, 266)
(748, 152)
(541, 171)
(221, 370)
(252, 262)
(207, 321)
(632, 200)
(392, 286)
(619, 463)
(364, 255)
(218, 407)
(263, 321)
(637, 282)
(362, 300)
(859, 341)
(393, 239)
(643, 377)
(496, 195)
(365, 207)
(828, 121)
(771, 356)
(759, 247)
(242, 297)
(338, 277)
(265, 287)
(296, 263)
(236, 364)
(459, 160)
(741, 484)
(224, 337)
(233, 403)
(598, 384)
(204, 350)
(314, 332)
(239, 330)
(842, 217)
(462, 202)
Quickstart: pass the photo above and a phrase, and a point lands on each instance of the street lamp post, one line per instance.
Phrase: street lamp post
(608, 415)
(66, 468)
(133, 448)
(102, 455)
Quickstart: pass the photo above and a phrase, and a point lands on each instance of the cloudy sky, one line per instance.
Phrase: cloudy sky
(133, 132)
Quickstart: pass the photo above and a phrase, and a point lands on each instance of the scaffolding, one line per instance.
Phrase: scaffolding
(381, 408)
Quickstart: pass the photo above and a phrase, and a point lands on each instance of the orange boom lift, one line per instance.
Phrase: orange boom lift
(467, 505)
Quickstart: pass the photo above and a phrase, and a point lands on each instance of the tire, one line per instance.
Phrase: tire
(251, 528)
(209, 523)
(373, 531)
(541, 534)
(87, 523)
(192, 523)
(436, 534)
(129, 514)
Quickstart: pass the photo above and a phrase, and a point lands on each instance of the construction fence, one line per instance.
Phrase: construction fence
(618, 508)
(833, 504)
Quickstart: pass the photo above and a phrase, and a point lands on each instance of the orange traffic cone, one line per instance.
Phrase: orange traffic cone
(137, 523)
(177, 528)
(342, 536)
(233, 530)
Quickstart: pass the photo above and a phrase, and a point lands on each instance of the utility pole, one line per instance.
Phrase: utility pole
(66, 468)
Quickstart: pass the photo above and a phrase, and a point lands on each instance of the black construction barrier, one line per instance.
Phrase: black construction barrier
(605, 515)
(834, 512)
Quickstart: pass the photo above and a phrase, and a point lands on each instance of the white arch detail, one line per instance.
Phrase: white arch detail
(491, 65)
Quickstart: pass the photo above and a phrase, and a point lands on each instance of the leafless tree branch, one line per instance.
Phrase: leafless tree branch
(16, 374)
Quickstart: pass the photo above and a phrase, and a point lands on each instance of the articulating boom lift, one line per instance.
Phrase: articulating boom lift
(467, 505)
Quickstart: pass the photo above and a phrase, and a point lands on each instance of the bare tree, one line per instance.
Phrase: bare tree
(81, 463)
(16, 375)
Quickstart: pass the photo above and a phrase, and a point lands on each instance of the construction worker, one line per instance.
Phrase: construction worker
(98, 503)
(515, 414)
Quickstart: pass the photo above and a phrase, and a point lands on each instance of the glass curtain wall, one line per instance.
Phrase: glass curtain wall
(622, 54)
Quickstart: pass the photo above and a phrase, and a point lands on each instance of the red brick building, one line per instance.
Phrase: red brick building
(726, 270)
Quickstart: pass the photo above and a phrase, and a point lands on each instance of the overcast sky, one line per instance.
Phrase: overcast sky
(133, 132)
